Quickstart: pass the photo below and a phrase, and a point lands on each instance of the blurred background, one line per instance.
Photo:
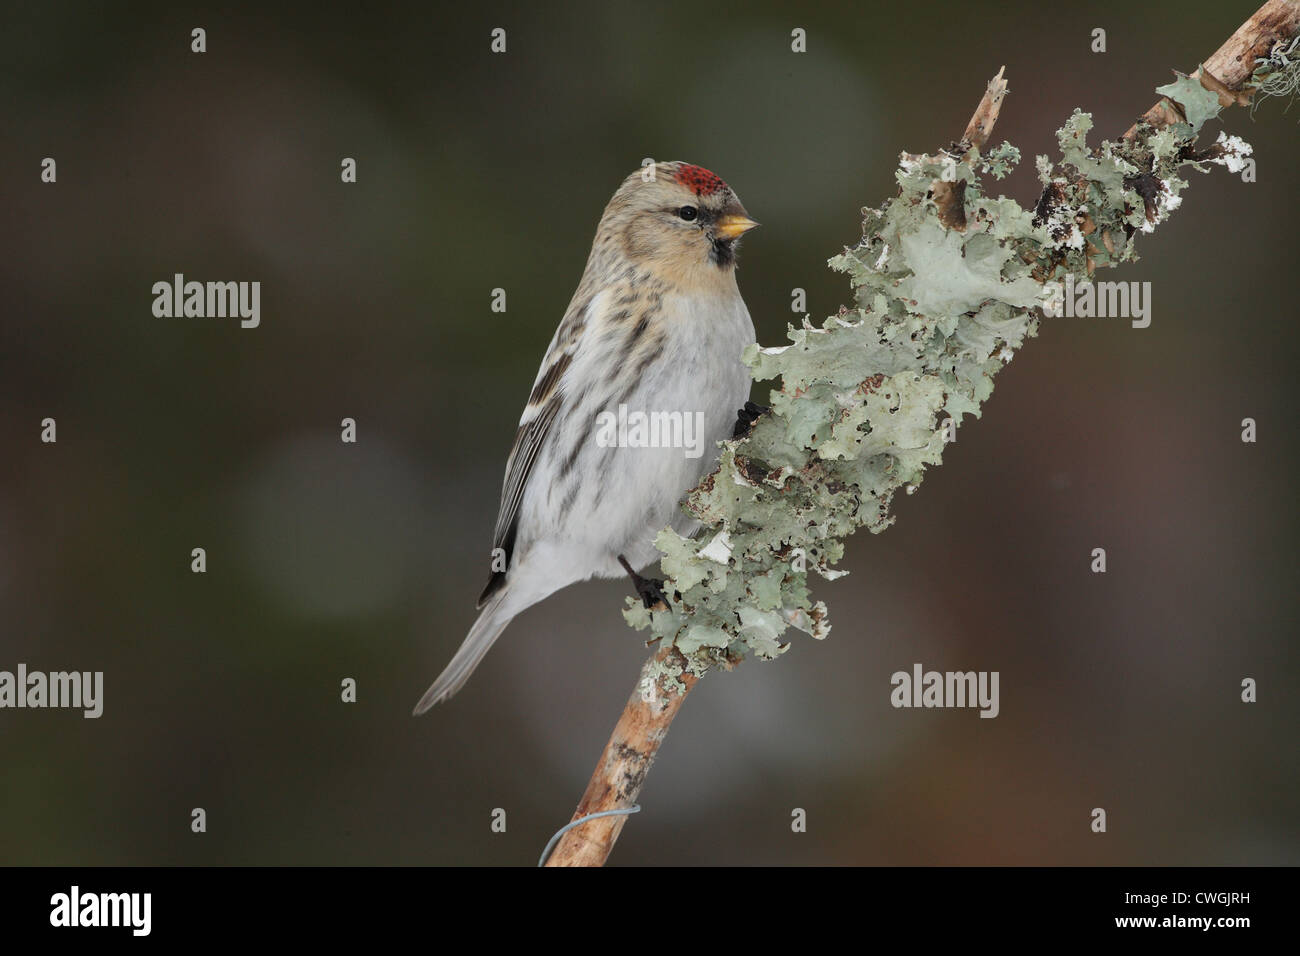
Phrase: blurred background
(328, 560)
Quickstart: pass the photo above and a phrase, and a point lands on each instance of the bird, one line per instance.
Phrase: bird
(657, 325)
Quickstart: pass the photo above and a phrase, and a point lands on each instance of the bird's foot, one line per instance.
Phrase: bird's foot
(649, 590)
(746, 417)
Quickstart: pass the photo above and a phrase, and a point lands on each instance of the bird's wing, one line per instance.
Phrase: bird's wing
(534, 425)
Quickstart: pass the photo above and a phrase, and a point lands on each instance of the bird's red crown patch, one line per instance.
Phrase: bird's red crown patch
(699, 180)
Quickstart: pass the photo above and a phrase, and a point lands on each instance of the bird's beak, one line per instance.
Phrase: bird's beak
(733, 226)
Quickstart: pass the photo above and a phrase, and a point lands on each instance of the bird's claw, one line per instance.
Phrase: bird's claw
(746, 417)
(651, 592)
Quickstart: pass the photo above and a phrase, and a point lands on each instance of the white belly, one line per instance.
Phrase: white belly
(634, 463)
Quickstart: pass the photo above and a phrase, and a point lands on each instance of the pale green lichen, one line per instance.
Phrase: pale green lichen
(1198, 104)
(940, 306)
(1277, 74)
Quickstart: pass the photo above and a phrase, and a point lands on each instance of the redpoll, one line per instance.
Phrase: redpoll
(642, 378)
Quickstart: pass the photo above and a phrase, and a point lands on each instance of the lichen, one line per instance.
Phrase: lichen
(947, 284)
(1277, 74)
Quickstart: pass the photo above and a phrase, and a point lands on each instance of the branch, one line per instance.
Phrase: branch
(950, 196)
(623, 766)
(980, 127)
(1228, 73)
(948, 285)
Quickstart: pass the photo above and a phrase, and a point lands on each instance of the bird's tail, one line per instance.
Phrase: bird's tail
(491, 622)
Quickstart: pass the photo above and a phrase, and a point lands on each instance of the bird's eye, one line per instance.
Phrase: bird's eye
(688, 213)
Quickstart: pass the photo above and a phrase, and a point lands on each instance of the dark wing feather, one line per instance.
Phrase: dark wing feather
(544, 405)
(528, 441)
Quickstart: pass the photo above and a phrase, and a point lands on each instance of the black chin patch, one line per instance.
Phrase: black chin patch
(723, 253)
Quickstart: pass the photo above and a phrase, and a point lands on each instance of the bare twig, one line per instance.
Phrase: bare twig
(624, 764)
(949, 197)
(1227, 71)
(980, 126)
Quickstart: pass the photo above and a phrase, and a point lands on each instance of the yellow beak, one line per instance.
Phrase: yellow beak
(732, 227)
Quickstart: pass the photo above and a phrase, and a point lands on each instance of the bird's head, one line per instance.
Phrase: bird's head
(677, 219)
